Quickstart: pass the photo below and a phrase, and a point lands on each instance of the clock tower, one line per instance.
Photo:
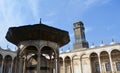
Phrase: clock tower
(79, 34)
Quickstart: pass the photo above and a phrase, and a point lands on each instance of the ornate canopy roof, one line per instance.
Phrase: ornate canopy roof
(16, 35)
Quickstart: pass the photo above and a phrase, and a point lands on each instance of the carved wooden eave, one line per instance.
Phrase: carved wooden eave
(16, 35)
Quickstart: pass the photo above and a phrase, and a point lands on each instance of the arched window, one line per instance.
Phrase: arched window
(107, 66)
(97, 67)
(94, 63)
(67, 65)
(118, 66)
(105, 62)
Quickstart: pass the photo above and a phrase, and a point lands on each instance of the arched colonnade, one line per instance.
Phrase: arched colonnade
(91, 61)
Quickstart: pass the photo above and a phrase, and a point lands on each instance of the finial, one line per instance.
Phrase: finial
(40, 20)
(112, 40)
(92, 43)
(102, 43)
(92, 46)
(8, 47)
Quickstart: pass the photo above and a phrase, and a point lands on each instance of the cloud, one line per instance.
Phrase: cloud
(87, 29)
(15, 13)
(34, 7)
(89, 3)
(77, 8)
(18, 12)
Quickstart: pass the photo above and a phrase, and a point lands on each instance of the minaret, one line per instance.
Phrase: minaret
(79, 34)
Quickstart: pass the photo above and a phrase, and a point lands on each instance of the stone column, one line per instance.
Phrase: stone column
(16, 65)
(20, 64)
(38, 64)
(100, 63)
(80, 65)
(56, 64)
(89, 62)
(11, 68)
(50, 64)
(111, 63)
(24, 66)
(1, 71)
(63, 66)
(71, 67)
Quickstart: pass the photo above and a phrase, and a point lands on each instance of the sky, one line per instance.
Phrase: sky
(101, 18)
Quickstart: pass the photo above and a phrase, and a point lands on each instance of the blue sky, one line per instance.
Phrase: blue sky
(100, 17)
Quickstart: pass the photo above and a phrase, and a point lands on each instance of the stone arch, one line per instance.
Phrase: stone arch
(45, 55)
(48, 57)
(30, 49)
(82, 55)
(14, 68)
(32, 63)
(114, 50)
(115, 56)
(7, 64)
(105, 62)
(76, 63)
(49, 44)
(61, 64)
(94, 63)
(23, 49)
(28, 53)
(67, 64)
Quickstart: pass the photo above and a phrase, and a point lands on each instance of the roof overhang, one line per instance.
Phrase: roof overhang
(16, 35)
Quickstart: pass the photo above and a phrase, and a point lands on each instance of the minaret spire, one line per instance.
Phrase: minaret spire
(79, 33)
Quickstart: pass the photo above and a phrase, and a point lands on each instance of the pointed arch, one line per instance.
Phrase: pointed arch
(115, 56)
(94, 63)
(105, 62)
(61, 64)
(7, 64)
(48, 57)
(68, 65)
(28, 64)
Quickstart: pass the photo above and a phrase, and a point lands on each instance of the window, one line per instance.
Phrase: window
(107, 66)
(97, 67)
(118, 66)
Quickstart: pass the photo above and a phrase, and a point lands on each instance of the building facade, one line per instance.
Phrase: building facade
(82, 59)
(96, 59)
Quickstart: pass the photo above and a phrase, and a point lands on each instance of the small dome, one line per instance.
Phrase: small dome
(92, 46)
(61, 51)
(68, 51)
(102, 44)
(113, 42)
